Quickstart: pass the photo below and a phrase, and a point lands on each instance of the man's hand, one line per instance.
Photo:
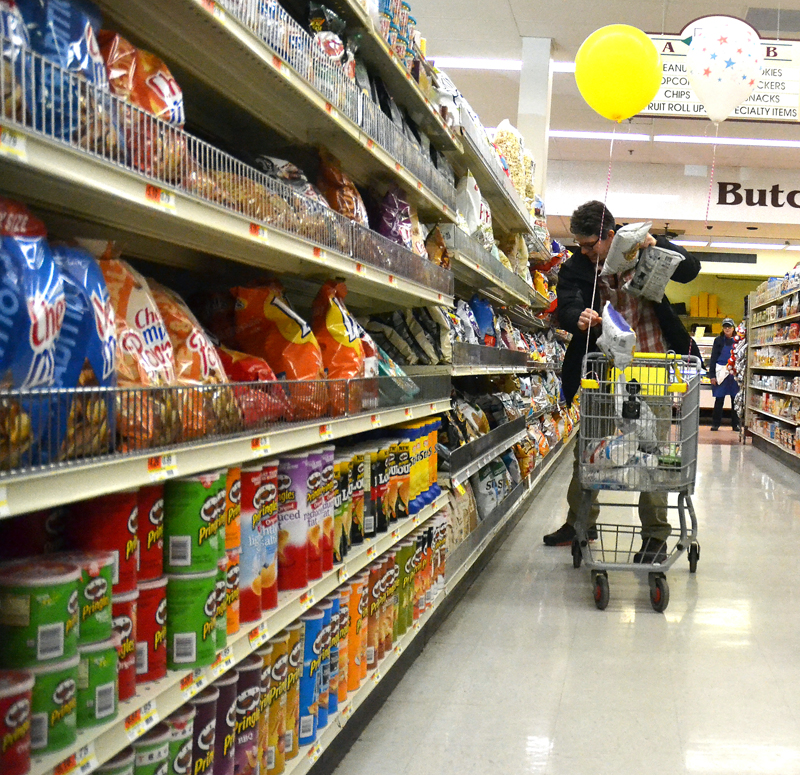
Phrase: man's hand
(714, 381)
(649, 242)
(588, 319)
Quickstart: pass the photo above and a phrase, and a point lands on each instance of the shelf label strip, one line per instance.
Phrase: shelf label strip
(82, 762)
(13, 143)
(141, 721)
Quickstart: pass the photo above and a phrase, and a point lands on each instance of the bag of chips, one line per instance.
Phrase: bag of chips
(394, 221)
(435, 334)
(484, 485)
(86, 352)
(653, 271)
(340, 191)
(484, 317)
(145, 358)
(437, 249)
(32, 291)
(216, 311)
(624, 250)
(485, 233)
(469, 328)
(468, 203)
(342, 353)
(268, 327)
(417, 237)
(144, 81)
(618, 340)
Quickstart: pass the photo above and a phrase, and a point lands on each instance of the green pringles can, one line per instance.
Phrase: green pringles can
(98, 691)
(191, 620)
(54, 706)
(194, 511)
(39, 612)
(152, 752)
(405, 563)
(222, 602)
(181, 727)
(121, 764)
(94, 593)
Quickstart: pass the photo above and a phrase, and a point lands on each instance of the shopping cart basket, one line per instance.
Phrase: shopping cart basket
(638, 433)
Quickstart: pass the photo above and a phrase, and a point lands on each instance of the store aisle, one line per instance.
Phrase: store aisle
(526, 676)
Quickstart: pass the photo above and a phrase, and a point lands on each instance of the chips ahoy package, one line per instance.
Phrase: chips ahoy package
(32, 310)
(64, 33)
(85, 358)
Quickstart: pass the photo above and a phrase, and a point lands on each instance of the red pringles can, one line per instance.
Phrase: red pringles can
(151, 532)
(151, 631)
(251, 557)
(123, 612)
(16, 687)
(110, 523)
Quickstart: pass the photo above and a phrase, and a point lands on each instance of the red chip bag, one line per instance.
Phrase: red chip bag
(338, 335)
(241, 367)
(268, 327)
(196, 363)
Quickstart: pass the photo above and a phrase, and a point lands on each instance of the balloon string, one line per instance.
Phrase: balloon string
(711, 182)
(602, 224)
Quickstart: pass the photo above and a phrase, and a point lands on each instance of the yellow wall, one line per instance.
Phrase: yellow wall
(731, 292)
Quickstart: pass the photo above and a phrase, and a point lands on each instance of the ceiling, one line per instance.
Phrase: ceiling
(467, 28)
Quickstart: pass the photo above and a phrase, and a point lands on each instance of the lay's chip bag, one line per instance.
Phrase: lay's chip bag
(85, 358)
(339, 338)
(32, 310)
(268, 327)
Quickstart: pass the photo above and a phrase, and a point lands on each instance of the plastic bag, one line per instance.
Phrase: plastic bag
(653, 271)
(340, 191)
(395, 218)
(618, 341)
(468, 203)
(484, 486)
(85, 357)
(484, 317)
(613, 451)
(624, 250)
(339, 339)
(290, 175)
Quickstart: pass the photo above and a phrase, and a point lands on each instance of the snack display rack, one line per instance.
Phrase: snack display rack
(289, 87)
(469, 459)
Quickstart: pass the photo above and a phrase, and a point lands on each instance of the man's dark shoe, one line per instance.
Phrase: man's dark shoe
(562, 537)
(653, 552)
(735, 428)
(715, 427)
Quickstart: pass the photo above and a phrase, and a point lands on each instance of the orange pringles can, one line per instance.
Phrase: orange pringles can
(344, 641)
(375, 583)
(265, 652)
(359, 597)
(232, 589)
(276, 702)
(389, 606)
(233, 528)
(295, 652)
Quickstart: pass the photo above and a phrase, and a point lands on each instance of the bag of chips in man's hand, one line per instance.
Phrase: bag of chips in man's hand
(653, 272)
(624, 250)
(86, 352)
(618, 341)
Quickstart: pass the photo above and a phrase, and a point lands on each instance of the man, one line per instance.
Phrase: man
(658, 329)
(723, 382)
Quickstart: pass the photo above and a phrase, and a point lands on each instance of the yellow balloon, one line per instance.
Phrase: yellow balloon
(618, 70)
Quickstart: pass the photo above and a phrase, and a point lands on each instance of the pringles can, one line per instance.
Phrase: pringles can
(150, 504)
(295, 652)
(191, 620)
(124, 623)
(225, 732)
(251, 559)
(151, 631)
(268, 505)
(311, 679)
(293, 475)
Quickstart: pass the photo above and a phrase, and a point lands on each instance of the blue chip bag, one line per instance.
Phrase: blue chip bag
(85, 358)
(484, 316)
(32, 308)
(64, 33)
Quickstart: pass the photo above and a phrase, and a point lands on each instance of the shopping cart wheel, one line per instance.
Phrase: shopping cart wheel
(659, 592)
(577, 557)
(601, 591)
(694, 556)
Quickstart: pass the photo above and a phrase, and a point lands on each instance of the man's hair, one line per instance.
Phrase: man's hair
(588, 218)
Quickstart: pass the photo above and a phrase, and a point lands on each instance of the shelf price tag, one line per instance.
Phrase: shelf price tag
(162, 467)
(214, 10)
(415, 520)
(460, 489)
(307, 600)
(371, 552)
(370, 143)
(260, 446)
(360, 268)
(259, 636)
(330, 110)
(193, 683)
(320, 255)
(223, 662)
(398, 649)
(159, 198)
(392, 280)
(315, 752)
(141, 720)
(419, 185)
(376, 677)
(397, 166)
(5, 511)
(346, 711)
(13, 143)
(396, 535)
(325, 432)
(343, 575)
(375, 420)
(259, 233)
(81, 762)
(409, 412)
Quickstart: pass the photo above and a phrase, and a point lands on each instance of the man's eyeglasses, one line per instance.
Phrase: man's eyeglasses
(584, 245)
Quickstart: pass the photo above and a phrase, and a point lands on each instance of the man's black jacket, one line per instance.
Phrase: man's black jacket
(575, 283)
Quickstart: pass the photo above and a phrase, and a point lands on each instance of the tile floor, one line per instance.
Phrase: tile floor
(526, 676)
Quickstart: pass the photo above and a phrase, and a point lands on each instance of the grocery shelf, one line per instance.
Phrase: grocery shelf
(469, 459)
(51, 487)
(220, 42)
(542, 412)
(774, 300)
(406, 92)
(473, 359)
(154, 702)
(778, 343)
(773, 368)
(164, 223)
(777, 444)
(480, 158)
(777, 321)
(775, 390)
(787, 420)
(544, 366)
(524, 319)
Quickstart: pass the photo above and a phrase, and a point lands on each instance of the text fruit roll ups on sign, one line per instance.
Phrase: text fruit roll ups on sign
(776, 96)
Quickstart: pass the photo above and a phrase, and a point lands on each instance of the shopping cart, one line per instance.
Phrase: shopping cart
(638, 433)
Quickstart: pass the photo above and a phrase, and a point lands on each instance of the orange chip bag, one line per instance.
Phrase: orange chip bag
(145, 358)
(340, 191)
(268, 327)
(338, 335)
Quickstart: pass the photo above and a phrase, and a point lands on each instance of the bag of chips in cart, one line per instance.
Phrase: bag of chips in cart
(33, 305)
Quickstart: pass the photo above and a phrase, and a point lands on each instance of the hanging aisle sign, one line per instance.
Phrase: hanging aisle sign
(775, 98)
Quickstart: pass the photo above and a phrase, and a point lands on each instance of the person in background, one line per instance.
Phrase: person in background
(658, 330)
(722, 381)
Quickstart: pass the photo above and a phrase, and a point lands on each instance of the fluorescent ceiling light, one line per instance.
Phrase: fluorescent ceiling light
(562, 67)
(569, 134)
(793, 247)
(752, 141)
(690, 243)
(749, 245)
(476, 63)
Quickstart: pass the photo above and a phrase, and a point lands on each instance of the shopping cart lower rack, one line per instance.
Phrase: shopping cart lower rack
(638, 433)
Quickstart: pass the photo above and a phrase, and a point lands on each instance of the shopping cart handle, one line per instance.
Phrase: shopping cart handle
(678, 387)
(590, 384)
